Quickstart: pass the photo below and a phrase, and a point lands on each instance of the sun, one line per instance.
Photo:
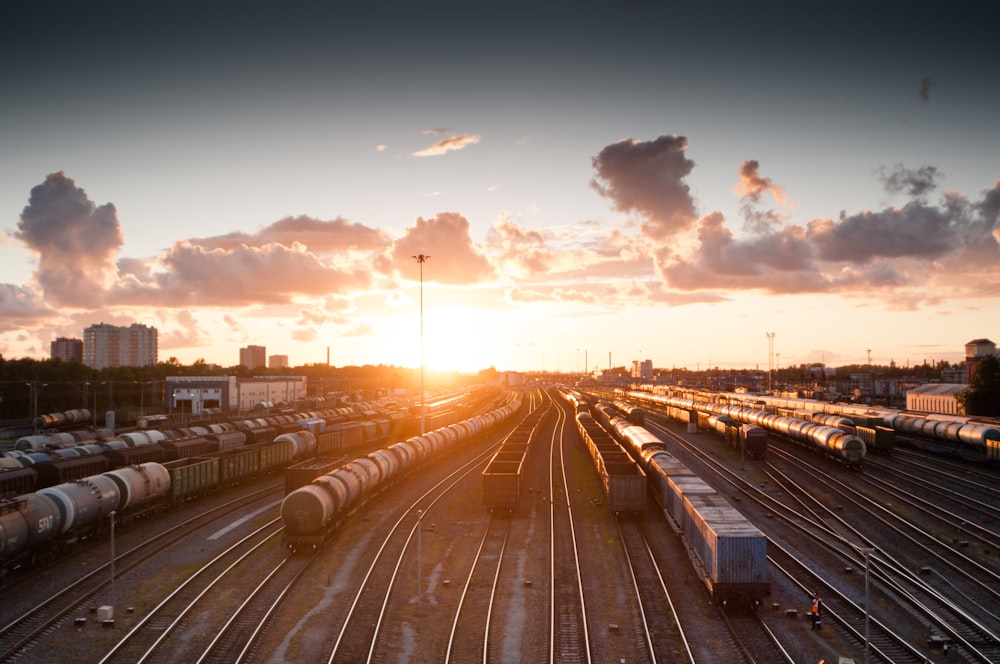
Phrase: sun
(457, 339)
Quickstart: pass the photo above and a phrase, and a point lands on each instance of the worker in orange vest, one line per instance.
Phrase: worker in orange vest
(814, 611)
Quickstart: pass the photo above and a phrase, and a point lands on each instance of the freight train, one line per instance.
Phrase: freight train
(46, 459)
(39, 526)
(729, 552)
(312, 513)
(847, 448)
(960, 435)
(39, 523)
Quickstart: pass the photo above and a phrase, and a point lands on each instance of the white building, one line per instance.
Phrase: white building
(112, 346)
(935, 398)
(277, 362)
(195, 394)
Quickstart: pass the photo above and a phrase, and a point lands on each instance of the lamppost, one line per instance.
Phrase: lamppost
(421, 259)
(420, 536)
(866, 552)
(114, 598)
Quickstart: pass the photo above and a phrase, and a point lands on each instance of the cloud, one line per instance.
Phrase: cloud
(20, 306)
(648, 178)
(448, 145)
(271, 274)
(915, 230)
(522, 248)
(446, 239)
(180, 329)
(914, 246)
(925, 89)
(317, 235)
(753, 185)
(912, 182)
(75, 240)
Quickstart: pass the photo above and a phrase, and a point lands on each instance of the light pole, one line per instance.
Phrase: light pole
(420, 536)
(111, 515)
(421, 259)
(866, 552)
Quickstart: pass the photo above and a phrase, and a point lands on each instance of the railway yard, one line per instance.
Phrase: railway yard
(497, 540)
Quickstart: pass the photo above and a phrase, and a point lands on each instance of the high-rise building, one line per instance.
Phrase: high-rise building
(277, 362)
(253, 357)
(66, 349)
(112, 346)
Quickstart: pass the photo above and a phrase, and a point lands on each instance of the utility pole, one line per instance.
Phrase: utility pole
(770, 360)
(421, 259)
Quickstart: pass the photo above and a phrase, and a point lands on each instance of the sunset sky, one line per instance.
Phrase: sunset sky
(647, 180)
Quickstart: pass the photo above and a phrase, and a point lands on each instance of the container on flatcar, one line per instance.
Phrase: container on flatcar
(732, 550)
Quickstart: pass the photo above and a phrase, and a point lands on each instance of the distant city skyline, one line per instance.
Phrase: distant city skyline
(637, 179)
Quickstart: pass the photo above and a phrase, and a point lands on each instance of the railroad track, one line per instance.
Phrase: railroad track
(237, 640)
(657, 621)
(470, 635)
(160, 634)
(569, 633)
(950, 613)
(78, 597)
(391, 570)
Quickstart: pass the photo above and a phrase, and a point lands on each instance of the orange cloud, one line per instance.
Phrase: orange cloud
(448, 145)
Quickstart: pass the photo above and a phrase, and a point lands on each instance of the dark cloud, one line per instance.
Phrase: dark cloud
(648, 178)
(912, 182)
(915, 230)
(989, 208)
(898, 248)
(446, 239)
(317, 235)
(75, 241)
(925, 89)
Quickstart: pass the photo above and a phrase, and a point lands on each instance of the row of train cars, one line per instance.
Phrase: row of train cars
(55, 493)
(846, 432)
(729, 552)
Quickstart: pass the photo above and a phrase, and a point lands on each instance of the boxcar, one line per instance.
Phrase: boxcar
(192, 478)
(502, 480)
(300, 474)
(274, 456)
(59, 471)
(237, 465)
(15, 481)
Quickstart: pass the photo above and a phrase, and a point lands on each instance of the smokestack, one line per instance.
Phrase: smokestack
(609, 360)
(327, 356)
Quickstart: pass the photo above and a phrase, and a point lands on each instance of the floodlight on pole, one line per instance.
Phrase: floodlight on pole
(421, 259)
